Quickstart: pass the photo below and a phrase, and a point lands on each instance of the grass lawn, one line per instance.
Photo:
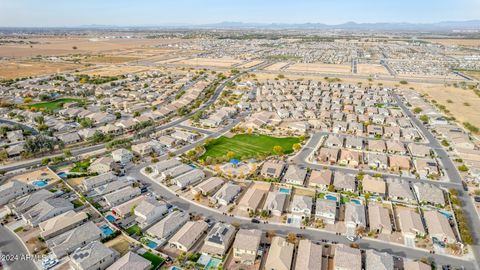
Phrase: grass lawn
(55, 104)
(248, 145)
(81, 166)
(156, 260)
(135, 229)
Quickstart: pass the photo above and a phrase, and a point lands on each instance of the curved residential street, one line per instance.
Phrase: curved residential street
(13, 250)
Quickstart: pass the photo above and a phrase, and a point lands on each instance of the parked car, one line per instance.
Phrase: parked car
(254, 220)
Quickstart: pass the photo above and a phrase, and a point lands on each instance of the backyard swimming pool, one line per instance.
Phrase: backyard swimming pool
(284, 190)
(40, 183)
(110, 218)
(107, 231)
(355, 201)
(152, 244)
(213, 264)
(62, 174)
(330, 197)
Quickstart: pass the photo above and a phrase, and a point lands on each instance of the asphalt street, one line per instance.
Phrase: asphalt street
(13, 252)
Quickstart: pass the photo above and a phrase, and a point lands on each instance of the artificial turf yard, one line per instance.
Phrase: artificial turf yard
(55, 104)
(248, 145)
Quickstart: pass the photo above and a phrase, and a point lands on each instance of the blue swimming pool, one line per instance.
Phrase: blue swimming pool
(355, 201)
(152, 244)
(62, 174)
(284, 190)
(446, 214)
(330, 197)
(175, 268)
(213, 264)
(110, 218)
(107, 231)
(40, 183)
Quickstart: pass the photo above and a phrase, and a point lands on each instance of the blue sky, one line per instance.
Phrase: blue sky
(166, 12)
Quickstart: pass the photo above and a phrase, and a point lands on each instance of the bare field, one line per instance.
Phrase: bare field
(214, 62)
(457, 42)
(473, 73)
(276, 66)
(65, 46)
(115, 70)
(319, 68)
(110, 59)
(438, 92)
(250, 64)
(14, 69)
(371, 69)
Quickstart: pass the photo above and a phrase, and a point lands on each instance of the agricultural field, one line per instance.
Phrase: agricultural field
(248, 145)
(53, 105)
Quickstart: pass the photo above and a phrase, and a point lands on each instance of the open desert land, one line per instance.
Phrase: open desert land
(115, 70)
(65, 46)
(214, 62)
(449, 76)
(472, 73)
(320, 68)
(171, 60)
(276, 66)
(463, 106)
(456, 42)
(250, 64)
(368, 69)
(18, 69)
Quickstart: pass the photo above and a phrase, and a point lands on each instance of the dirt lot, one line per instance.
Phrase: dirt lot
(115, 70)
(321, 68)
(109, 59)
(215, 62)
(458, 42)
(276, 66)
(371, 69)
(64, 46)
(250, 64)
(14, 69)
(120, 244)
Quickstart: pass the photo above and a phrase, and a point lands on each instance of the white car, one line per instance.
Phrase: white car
(351, 238)
(49, 263)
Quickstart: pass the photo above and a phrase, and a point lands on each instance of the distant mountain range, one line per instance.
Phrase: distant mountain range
(447, 25)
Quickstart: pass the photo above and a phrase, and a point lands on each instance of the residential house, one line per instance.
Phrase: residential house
(377, 161)
(343, 181)
(295, 175)
(379, 219)
(13, 189)
(354, 143)
(101, 165)
(219, 239)
(272, 169)
(122, 156)
(147, 148)
(131, 260)
(347, 258)
(69, 138)
(96, 181)
(326, 210)
(396, 147)
(275, 203)
(226, 194)
(280, 254)
(188, 235)
(376, 146)
(410, 223)
(426, 167)
(164, 165)
(120, 196)
(184, 136)
(246, 246)
(400, 190)
(93, 256)
(334, 141)
(378, 260)
(374, 185)
(428, 193)
(309, 255)
(124, 210)
(26, 202)
(328, 155)
(168, 225)
(61, 223)
(350, 158)
(189, 178)
(354, 217)
(399, 163)
(251, 200)
(419, 150)
(69, 241)
(439, 227)
(149, 211)
(208, 187)
(301, 205)
(320, 179)
(46, 209)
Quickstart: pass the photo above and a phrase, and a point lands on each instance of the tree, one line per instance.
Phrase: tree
(417, 110)
(39, 119)
(118, 115)
(463, 168)
(292, 238)
(74, 47)
(67, 153)
(230, 154)
(278, 150)
(3, 154)
(148, 170)
(296, 147)
(424, 118)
